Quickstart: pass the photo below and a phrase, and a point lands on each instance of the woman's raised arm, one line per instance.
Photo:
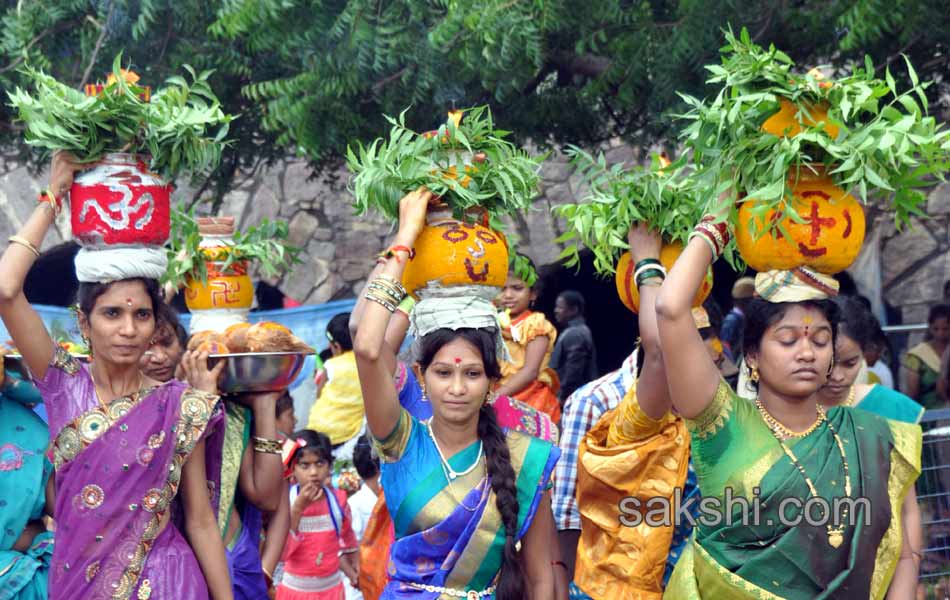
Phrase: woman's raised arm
(24, 324)
(692, 375)
(653, 395)
(369, 345)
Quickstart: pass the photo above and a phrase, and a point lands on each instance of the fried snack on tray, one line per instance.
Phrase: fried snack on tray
(273, 337)
(199, 339)
(236, 337)
(213, 346)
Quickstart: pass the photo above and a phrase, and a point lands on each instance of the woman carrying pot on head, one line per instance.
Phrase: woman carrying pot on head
(855, 332)
(509, 413)
(464, 526)
(785, 447)
(124, 446)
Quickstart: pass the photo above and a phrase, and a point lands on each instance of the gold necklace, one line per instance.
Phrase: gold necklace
(835, 534)
(777, 427)
(850, 400)
(95, 389)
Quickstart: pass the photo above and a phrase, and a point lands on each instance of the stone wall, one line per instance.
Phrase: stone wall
(339, 247)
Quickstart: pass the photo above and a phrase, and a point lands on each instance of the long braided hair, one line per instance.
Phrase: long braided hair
(510, 584)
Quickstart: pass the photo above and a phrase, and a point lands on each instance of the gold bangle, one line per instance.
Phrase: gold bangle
(267, 446)
(391, 280)
(22, 241)
(388, 299)
(381, 301)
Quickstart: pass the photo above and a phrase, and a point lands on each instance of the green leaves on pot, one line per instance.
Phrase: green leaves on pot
(468, 164)
(874, 137)
(182, 126)
(619, 196)
(264, 243)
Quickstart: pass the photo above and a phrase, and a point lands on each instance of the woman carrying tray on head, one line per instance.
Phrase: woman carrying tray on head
(123, 444)
(464, 525)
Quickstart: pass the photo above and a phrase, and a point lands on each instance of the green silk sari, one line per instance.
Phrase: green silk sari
(733, 448)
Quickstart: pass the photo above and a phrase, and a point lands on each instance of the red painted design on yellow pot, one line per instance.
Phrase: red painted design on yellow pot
(232, 288)
(827, 240)
(627, 288)
(454, 253)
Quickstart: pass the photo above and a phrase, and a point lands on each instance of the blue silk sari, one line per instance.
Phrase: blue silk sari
(450, 534)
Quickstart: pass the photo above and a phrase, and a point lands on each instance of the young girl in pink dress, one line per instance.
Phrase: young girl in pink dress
(321, 546)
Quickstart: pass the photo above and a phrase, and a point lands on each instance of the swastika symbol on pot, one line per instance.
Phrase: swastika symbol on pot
(224, 292)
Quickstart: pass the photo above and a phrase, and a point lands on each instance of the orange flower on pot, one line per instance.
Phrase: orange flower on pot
(827, 240)
(784, 122)
(627, 288)
(450, 252)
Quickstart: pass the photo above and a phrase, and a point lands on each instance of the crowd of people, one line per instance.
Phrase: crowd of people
(493, 460)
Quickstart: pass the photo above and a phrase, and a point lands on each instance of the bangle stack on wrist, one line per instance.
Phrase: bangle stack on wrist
(646, 269)
(386, 291)
(716, 235)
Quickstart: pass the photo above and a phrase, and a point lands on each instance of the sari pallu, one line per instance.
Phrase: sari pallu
(118, 468)
(765, 558)
(626, 454)
(451, 534)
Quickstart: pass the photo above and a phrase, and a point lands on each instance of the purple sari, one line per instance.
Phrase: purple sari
(118, 469)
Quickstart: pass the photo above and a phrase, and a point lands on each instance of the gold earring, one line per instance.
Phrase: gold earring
(754, 376)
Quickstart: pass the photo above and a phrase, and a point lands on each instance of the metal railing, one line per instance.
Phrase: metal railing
(933, 497)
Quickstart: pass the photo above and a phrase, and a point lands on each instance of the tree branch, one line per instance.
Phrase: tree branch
(588, 65)
(103, 29)
(55, 29)
(389, 79)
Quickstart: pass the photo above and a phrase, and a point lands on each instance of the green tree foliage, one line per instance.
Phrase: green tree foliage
(312, 76)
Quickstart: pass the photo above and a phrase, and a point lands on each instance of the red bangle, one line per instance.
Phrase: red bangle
(411, 252)
(48, 196)
(392, 250)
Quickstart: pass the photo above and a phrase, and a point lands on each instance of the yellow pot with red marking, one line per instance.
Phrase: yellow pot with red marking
(450, 252)
(226, 288)
(828, 238)
(627, 288)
